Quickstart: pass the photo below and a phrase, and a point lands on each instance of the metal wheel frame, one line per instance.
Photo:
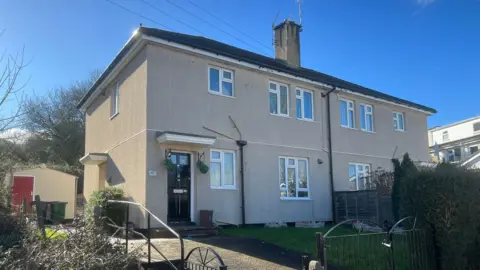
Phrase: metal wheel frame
(203, 260)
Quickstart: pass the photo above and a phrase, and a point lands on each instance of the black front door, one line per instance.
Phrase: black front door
(179, 188)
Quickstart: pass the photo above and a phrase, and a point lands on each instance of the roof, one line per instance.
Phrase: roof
(454, 123)
(226, 50)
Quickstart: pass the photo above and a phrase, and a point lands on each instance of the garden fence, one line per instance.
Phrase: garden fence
(363, 204)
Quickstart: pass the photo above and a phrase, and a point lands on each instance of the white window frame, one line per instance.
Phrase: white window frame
(220, 80)
(395, 119)
(349, 121)
(115, 101)
(447, 137)
(302, 104)
(365, 172)
(277, 92)
(295, 166)
(222, 169)
(364, 116)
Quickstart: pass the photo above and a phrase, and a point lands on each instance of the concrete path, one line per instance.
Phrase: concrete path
(236, 252)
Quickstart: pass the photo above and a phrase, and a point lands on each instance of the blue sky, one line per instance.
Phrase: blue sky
(426, 51)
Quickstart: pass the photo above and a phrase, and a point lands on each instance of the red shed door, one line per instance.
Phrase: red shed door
(22, 188)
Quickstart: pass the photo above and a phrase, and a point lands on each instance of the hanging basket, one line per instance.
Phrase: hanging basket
(169, 165)
(202, 167)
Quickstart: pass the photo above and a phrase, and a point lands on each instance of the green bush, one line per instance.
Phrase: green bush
(115, 212)
(446, 201)
(401, 169)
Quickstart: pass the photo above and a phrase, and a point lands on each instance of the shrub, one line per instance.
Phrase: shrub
(401, 169)
(446, 201)
(99, 199)
(80, 246)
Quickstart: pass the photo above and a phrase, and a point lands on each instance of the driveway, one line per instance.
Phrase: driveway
(236, 252)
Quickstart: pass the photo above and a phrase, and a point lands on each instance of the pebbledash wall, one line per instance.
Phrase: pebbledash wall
(164, 89)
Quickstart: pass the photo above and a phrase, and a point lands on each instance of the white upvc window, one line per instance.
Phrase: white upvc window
(445, 136)
(347, 113)
(366, 117)
(222, 169)
(115, 100)
(294, 179)
(278, 97)
(398, 121)
(304, 103)
(358, 174)
(221, 81)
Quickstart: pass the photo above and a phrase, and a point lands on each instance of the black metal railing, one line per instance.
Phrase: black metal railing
(148, 238)
(397, 248)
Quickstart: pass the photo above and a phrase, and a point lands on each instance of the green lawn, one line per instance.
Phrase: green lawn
(297, 239)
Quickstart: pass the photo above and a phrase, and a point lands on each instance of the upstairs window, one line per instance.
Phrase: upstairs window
(347, 113)
(445, 136)
(473, 149)
(115, 100)
(278, 95)
(293, 178)
(366, 117)
(304, 103)
(222, 169)
(476, 127)
(398, 121)
(220, 81)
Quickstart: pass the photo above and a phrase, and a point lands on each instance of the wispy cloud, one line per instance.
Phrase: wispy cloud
(425, 2)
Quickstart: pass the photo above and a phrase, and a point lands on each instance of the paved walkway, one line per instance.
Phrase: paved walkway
(236, 252)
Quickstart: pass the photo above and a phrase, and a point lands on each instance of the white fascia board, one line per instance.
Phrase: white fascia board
(176, 138)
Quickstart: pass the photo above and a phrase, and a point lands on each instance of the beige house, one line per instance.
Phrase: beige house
(260, 124)
(49, 184)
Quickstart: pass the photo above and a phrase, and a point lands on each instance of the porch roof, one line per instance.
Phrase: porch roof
(185, 138)
(94, 158)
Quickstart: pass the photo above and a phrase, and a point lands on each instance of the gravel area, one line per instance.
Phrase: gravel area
(236, 252)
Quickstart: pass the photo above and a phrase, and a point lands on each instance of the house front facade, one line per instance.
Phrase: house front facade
(456, 143)
(261, 125)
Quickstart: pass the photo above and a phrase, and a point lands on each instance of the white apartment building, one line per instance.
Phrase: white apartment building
(456, 143)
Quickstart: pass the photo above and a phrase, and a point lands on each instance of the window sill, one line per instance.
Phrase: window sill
(307, 120)
(294, 199)
(224, 188)
(364, 130)
(399, 130)
(281, 115)
(115, 115)
(220, 94)
(347, 127)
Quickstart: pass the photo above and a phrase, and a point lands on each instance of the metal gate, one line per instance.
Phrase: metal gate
(397, 249)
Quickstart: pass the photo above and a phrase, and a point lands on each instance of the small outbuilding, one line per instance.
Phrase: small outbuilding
(51, 185)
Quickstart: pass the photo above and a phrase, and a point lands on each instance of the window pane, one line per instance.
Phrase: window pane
(214, 80)
(302, 174)
(369, 122)
(283, 184)
(303, 194)
(350, 119)
(299, 108)
(215, 155)
(283, 99)
(298, 93)
(228, 165)
(308, 105)
(227, 75)
(363, 125)
(273, 86)
(369, 109)
(227, 88)
(215, 172)
(361, 181)
(352, 177)
(273, 103)
(343, 113)
(292, 186)
(400, 121)
(291, 161)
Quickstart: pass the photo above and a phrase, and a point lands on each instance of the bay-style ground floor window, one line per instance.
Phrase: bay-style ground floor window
(293, 178)
(358, 175)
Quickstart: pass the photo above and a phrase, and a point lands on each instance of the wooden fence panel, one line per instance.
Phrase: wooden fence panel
(364, 205)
